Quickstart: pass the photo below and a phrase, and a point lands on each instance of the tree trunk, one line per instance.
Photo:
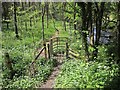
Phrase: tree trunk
(22, 3)
(84, 28)
(118, 32)
(47, 12)
(99, 22)
(29, 4)
(91, 32)
(15, 20)
(75, 15)
(43, 13)
(64, 22)
(99, 15)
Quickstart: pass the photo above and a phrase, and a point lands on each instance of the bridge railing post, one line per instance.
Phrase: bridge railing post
(45, 50)
(51, 47)
(57, 42)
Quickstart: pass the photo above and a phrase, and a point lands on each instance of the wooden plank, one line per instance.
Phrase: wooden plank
(73, 55)
(73, 51)
(39, 53)
(56, 46)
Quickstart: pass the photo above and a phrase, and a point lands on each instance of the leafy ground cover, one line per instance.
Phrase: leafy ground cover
(43, 71)
(79, 74)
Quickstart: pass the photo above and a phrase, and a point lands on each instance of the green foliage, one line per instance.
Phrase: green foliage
(79, 74)
(102, 53)
(44, 69)
(22, 82)
(76, 45)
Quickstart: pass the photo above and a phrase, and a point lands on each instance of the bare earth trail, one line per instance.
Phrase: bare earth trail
(51, 80)
(49, 83)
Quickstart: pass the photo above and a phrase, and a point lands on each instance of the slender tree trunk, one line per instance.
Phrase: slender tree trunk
(88, 14)
(64, 22)
(99, 15)
(118, 32)
(29, 4)
(99, 22)
(74, 16)
(89, 21)
(47, 12)
(43, 13)
(91, 28)
(7, 25)
(15, 20)
(22, 5)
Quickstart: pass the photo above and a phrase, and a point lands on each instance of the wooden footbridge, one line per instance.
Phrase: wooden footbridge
(56, 48)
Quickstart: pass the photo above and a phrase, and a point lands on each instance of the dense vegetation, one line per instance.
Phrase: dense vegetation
(93, 74)
(93, 30)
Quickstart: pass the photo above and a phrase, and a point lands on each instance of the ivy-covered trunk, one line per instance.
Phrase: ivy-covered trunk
(15, 20)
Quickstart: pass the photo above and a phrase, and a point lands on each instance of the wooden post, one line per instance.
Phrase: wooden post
(51, 47)
(8, 64)
(67, 50)
(45, 50)
(48, 51)
(57, 43)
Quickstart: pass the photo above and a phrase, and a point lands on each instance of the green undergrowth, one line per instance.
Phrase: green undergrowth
(79, 74)
(44, 69)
